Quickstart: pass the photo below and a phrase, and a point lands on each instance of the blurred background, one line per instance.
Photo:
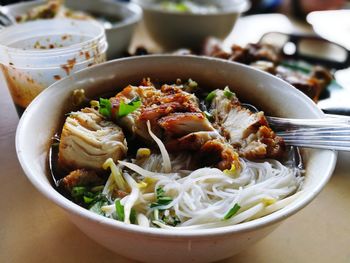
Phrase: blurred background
(306, 43)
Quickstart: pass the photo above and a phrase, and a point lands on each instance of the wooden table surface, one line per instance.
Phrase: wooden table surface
(32, 229)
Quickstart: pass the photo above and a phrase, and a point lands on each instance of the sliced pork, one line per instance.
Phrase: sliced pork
(170, 110)
(248, 132)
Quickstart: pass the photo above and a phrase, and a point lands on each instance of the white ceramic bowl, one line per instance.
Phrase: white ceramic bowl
(118, 36)
(44, 116)
(174, 30)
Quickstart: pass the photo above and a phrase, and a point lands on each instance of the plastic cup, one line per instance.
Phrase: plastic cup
(35, 54)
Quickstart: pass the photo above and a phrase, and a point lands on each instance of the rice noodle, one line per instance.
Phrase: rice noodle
(202, 198)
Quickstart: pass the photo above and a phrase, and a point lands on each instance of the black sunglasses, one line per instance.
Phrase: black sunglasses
(309, 48)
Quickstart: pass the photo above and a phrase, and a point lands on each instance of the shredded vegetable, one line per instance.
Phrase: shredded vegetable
(163, 151)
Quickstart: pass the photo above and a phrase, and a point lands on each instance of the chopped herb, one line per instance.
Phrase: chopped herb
(87, 197)
(164, 200)
(157, 204)
(228, 93)
(209, 98)
(96, 207)
(119, 208)
(180, 7)
(88, 200)
(78, 191)
(161, 199)
(98, 197)
(125, 109)
(209, 116)
(167, 217)
(232, 211)
(133, 216)
(160, 192)
(170, 218)
(105, 107)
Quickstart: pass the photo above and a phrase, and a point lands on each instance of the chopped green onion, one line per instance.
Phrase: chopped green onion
(161, 203)
(171, 220)
(133, 216)
(209, 116)
(88, 200)
(119, 208)
(89, 194)
(105, 107)
(170, 6)
(228, 93)
(232, 211)
(164, 200)
(125, 109)
(210, 96)
(160, 192)
(169, 217)
(96, 208)
(78, 191)
(161, 199)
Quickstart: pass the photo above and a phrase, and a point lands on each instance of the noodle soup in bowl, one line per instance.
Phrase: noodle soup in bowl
(173, 244)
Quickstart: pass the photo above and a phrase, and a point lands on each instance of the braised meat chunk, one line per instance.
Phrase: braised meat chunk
(178, 124)
(249, 133)
(268, 58)
(80, 177)
(220, 154)
(217, 131)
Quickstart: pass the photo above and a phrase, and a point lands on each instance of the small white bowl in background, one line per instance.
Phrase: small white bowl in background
(173, 30)
(118, 36)
(263, 90)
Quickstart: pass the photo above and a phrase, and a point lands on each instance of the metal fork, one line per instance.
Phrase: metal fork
(5, 20)
(329, 121)
(332, 132)
(328, 133)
